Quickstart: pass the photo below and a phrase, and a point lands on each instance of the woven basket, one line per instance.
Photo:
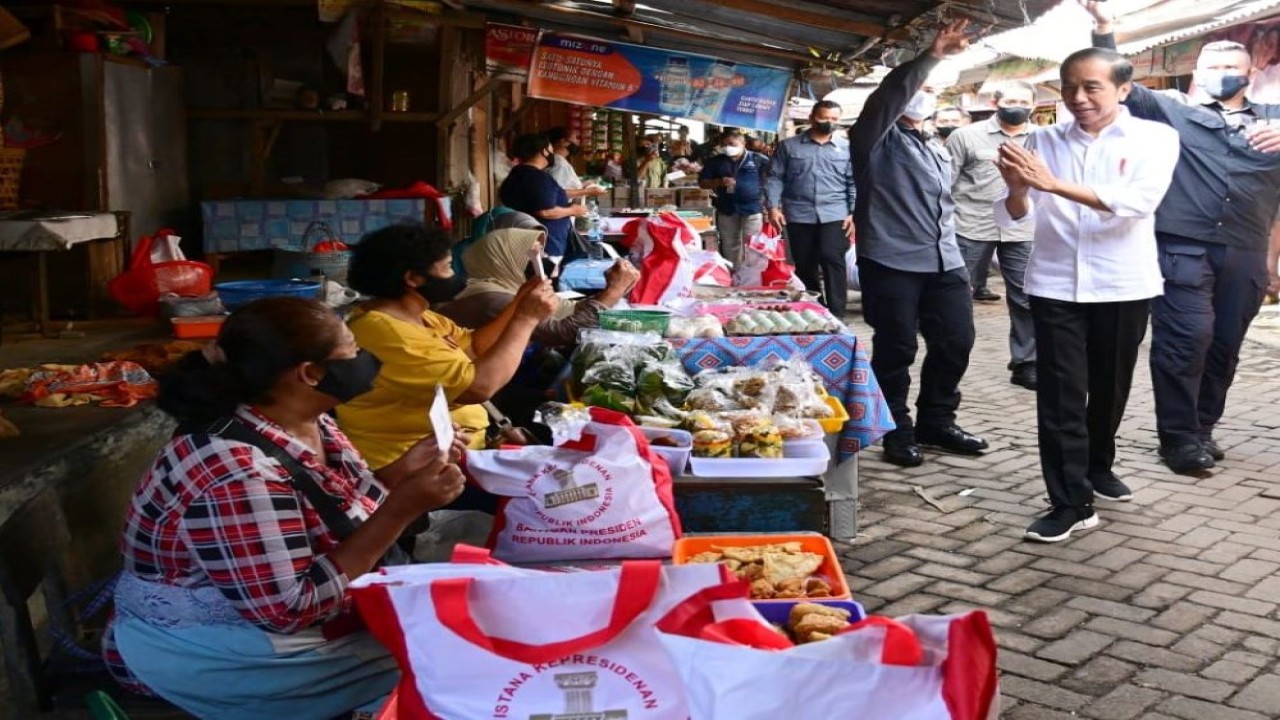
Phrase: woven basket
(10, 176)
(301, 262)
(12, 31)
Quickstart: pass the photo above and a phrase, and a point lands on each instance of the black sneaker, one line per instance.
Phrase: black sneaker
(1212, 447)
(952, 439)
(1186, 459)
(1110, 488)
(1060, 523)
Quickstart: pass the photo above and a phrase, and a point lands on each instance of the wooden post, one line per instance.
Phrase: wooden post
(377, 93)
(450, 52)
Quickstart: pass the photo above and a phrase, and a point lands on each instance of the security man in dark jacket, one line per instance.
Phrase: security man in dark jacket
(1213, 230)
(912, 274)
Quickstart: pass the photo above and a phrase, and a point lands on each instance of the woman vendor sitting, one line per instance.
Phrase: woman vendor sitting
(496, 266)
(232, 602)
(401, 268)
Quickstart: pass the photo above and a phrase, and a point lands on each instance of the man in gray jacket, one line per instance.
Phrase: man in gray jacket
(912, 274)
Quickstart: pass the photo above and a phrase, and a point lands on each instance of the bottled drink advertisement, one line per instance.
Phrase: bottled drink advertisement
(586, 71)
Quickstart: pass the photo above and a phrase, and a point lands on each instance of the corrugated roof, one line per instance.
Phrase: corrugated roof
(783, 33)
(1192, 24)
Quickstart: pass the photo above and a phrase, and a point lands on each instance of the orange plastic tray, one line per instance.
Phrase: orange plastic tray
(197, 328)
(687, 547)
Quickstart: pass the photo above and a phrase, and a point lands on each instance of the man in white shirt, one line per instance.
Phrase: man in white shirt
(1091, 187)
(565, 147)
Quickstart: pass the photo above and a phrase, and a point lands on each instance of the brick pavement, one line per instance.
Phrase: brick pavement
(1169, 609)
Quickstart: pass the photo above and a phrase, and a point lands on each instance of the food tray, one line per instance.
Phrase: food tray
(806, 459)
(677, 457)
(834, 424)
(688, 546)
(778, 611)
(636, 321)
(200, 327)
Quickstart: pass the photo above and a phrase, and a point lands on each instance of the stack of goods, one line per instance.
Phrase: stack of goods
(781, 321)
(778, 567)
(746, 413)
(633, 373)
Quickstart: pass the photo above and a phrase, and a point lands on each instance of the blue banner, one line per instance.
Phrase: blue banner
(641, 79)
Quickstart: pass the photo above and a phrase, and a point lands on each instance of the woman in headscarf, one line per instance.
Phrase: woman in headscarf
(496, 268)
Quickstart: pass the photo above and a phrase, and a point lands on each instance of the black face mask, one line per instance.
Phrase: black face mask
(574, 149)
(441, 290)
(348, 379)
(644, 150)
(945, 131)
(1013, 115)
(824, 128)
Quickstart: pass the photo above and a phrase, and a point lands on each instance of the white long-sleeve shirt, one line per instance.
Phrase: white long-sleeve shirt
(1084, 255)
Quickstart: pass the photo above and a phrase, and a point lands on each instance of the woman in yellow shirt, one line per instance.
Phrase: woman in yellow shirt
(403, 269)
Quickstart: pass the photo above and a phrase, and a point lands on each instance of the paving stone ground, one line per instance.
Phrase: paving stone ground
(1169, 609)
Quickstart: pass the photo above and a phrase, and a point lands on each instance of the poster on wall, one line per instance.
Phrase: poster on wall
(508, 49)
(585, 71)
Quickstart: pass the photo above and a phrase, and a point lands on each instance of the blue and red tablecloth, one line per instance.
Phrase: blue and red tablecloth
(839, 359)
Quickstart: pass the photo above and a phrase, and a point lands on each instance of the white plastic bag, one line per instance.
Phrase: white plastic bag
(603, 495)
(492, 642)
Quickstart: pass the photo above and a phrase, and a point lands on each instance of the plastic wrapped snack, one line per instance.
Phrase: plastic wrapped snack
(760, 440)
(711, 399)
(712, 444)
(795, 428)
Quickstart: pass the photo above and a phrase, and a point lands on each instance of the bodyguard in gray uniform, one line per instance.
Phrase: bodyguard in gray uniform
(976, 186)
(913, 278)
(1213, 230)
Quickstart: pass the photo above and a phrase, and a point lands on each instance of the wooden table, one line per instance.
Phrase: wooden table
(105, 236)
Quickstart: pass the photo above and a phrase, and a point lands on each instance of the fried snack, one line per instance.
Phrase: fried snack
(780, 566)
(750, 385)
(810, 624)
(816, 587)
(706, 557)
(763, 590)
(777, 571)
(800, 610)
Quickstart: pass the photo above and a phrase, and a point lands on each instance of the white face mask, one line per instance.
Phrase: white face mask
(733, 150)
(923, 105)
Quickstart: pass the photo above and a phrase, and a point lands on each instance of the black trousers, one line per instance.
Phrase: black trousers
(1211, 294)
(1086, 355)
(938, 305)
(822, 246)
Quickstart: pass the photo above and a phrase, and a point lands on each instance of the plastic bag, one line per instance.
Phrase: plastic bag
(851, 266)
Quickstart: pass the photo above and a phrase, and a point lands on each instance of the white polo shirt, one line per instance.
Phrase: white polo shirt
(1084, 255)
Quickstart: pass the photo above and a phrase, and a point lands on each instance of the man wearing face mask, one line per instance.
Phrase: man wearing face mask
(737, 176)
(1213, 230)
(810, 192)
(976, 186)
(561, 168)
(948, 120)
(913, 276)
(532, 191)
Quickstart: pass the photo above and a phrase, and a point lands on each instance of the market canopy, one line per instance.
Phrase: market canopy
(792, 34)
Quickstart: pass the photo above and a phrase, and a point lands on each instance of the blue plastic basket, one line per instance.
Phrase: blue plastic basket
(241, 292)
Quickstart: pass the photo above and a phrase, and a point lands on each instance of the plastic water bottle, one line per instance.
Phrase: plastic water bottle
(595, 230)
(676, 87)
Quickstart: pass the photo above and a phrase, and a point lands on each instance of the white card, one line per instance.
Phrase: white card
(535, 259)
(441, 422)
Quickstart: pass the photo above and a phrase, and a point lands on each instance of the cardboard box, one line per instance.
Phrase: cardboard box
(695, 198)
(658, 197)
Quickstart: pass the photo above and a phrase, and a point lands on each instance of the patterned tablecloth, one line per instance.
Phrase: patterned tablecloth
(839, 359)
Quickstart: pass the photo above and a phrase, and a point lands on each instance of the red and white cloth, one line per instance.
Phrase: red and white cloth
(764, 262)
(662, 244)
(604, 496)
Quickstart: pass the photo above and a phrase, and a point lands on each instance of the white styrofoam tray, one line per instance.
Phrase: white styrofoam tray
(800, 459)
